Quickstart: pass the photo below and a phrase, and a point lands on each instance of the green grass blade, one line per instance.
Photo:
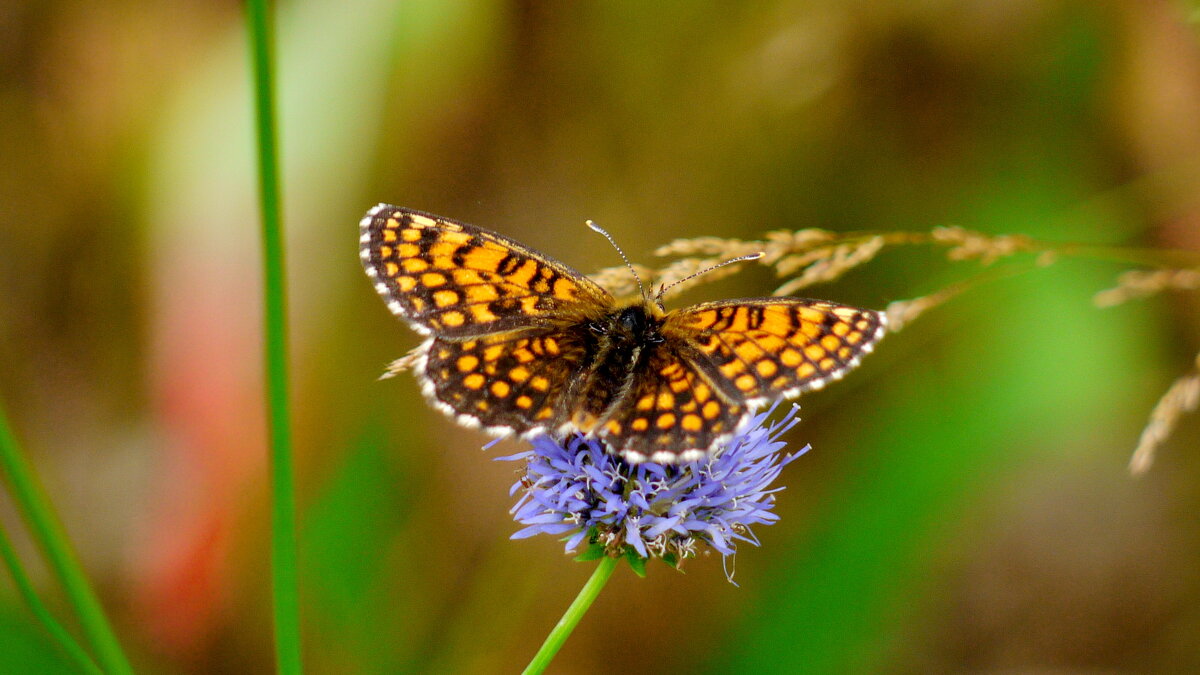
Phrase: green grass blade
(56, 630)
(50, 536)
(284, 581)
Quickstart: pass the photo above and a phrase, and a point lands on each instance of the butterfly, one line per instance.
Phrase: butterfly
(519, 343)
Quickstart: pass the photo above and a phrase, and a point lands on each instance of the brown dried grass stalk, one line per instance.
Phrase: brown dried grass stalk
(811, 256)
(1181, 398)
(1144, 283)
(1184, 394)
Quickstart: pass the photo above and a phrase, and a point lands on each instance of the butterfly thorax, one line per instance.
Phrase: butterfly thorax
(615, 345)
(630, 327)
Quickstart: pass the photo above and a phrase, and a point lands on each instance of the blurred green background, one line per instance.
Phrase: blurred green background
(966, 506)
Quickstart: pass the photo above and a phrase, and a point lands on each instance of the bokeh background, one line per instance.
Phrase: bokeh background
(966, 506)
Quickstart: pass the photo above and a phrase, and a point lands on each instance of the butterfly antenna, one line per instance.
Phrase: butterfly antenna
(663, 289)
(597, 228)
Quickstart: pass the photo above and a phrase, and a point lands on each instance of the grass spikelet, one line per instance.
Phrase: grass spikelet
(970, 245)
(1184, 394)
(1144, 283)
(684, 274)
(833, 263)
(403, 363)
(618, 281)
(707, 246)
(1181, 398)
(812, 256)
(707, 252)
(903, 312)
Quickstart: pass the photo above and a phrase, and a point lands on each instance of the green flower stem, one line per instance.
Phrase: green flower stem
(48, 532)
(60, 634)
(570, 619)
(284, 581)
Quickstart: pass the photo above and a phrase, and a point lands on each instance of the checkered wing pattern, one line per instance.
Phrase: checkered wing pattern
(761, 349)
(509, 382)
(671, 413)
(520, 343)
(456, 280)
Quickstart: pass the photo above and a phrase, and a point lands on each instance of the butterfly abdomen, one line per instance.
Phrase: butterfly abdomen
(614, 346)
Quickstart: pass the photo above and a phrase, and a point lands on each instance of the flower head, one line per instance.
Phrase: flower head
(574, 487)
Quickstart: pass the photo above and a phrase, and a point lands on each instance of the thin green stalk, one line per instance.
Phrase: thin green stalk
(56, 630)
(48, 532)
(570, 619)
(284, 580)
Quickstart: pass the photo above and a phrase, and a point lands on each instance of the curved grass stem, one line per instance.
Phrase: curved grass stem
(562, 630)
(52, 539)
(72, 648)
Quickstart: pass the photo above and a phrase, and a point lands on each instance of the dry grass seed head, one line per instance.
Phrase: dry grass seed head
(970, 245)
(702, 252)
(700, 246)
(1144, 283)
(837, 261)
(403, 363)
(1182, 398)
(900, 313)
(812, 250)
(776, 244)
(684, 274)
(619, 281)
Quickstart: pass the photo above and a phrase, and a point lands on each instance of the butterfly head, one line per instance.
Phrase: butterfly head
(634, 325)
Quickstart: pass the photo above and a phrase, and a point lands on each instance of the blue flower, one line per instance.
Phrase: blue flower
(573, 487)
